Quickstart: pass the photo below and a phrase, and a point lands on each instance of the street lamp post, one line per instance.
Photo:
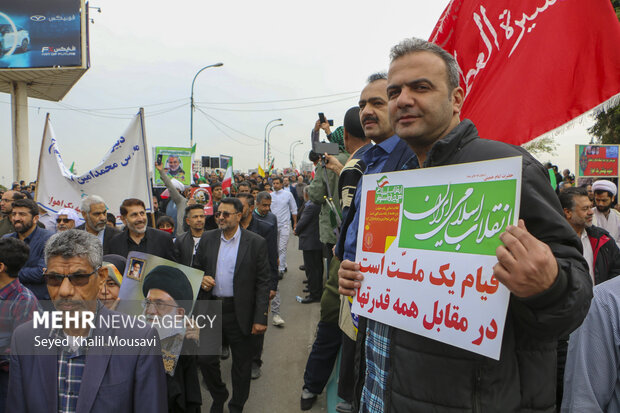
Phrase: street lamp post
(291, 149)
(191, 116)
(269, 144)
(265, 142)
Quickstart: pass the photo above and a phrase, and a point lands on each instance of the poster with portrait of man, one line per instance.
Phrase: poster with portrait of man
(177, 164)
(162, 295)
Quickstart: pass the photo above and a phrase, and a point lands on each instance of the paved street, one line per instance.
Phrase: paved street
(286, 350)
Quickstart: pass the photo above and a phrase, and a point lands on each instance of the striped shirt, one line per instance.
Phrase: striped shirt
(592, 376)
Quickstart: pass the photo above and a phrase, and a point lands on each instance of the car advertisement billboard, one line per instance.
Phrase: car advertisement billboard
(41, 33)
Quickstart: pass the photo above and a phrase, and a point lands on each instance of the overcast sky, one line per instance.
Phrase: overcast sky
(308, 57)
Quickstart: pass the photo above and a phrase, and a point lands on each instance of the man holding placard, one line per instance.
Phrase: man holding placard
(544, 279)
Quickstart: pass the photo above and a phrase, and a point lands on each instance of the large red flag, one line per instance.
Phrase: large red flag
(529, 66)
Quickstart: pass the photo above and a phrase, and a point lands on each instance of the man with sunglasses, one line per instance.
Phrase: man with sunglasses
(25, 216)
(237, 273)
(80, 370)
(66, 219)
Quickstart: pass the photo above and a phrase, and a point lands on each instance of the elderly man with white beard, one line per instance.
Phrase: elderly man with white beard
(169, 298)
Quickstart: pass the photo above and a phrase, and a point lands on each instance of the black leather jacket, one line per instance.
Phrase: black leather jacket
(430, 376)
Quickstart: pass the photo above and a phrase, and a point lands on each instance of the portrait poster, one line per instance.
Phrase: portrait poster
(597, 161)
(132, 299)
(426, 246)
(177, 164)
(202, 195)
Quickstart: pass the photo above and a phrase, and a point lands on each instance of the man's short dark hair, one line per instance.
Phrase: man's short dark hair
(111, 218)
(415, 45)
(261, 196)
(276, 178)
(352, 124)
(192, 207)
(244, 183)
(249, 197)
(567, 197)
(216, 185)
(313, 156)
(234, 202)
(131, 202)
(13, 254)
(19, 195)
(27, 203)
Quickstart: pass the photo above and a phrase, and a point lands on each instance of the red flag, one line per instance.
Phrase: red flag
(530, 66)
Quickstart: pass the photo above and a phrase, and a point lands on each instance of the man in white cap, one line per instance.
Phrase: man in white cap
(66, 219)
(605, 216)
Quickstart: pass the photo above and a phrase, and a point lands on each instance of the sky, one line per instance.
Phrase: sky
(282, 59)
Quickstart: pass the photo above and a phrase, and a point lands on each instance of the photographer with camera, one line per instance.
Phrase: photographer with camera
(323, 190)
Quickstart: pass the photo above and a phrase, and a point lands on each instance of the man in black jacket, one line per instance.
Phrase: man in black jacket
(540, 263)
(599, 248)
(270, 233)
(236, 270)
(307, 229)
(186, 244)
(137, 236)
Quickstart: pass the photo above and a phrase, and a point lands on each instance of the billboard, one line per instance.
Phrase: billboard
(41, 34)
(597, 160)
(177, 164)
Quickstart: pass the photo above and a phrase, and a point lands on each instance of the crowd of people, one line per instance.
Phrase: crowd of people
(558, 352)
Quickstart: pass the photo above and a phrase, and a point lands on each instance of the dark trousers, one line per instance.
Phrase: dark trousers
(241, 351)
(346, 379)
(322, 356)
(257, 349)
(313, 261)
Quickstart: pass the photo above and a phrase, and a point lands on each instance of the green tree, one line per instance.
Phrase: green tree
(606, 128)
(540, 145)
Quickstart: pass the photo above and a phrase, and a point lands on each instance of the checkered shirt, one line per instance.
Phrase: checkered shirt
(17, 305)
(70, 369)
(377, 367)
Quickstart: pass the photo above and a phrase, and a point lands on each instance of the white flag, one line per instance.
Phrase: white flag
(122, 173)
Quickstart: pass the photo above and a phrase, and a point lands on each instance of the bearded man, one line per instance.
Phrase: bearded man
(24, 217)
(94, 212)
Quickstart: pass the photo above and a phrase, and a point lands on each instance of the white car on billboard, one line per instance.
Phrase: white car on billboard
(8, 37)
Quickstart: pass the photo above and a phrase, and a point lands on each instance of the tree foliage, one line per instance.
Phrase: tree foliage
(606, 127)
(543, 144)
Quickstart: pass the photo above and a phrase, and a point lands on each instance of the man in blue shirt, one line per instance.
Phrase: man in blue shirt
(24, 217)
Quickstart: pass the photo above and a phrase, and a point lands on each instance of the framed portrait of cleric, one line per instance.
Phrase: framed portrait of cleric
(162, 295)
(135, 269)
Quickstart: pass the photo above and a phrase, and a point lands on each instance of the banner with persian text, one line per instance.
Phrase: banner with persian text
(426, 247)
(121, 174)
(597, 160)
(530, 66)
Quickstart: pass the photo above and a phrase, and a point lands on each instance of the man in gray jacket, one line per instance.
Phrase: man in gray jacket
(540, 263)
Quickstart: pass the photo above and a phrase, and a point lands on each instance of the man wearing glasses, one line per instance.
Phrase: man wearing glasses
(236, 272)
(25, 216)
(66, 219)
(79, 371)
(169, 297)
